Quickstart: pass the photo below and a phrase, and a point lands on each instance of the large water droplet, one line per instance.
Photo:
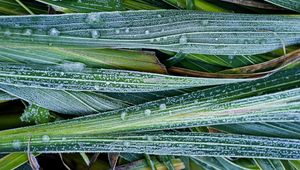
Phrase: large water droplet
(126, 143)
(7, 33)
(54, 32)
(147, 32)
(16, 144)
(183, 39)
(204, 22)
(147, 112)
(117, 31)
(95, 34)
(162, 106)
(28, 32)
(127, 30)
(97, 87)
(123, 114)
(46, 138)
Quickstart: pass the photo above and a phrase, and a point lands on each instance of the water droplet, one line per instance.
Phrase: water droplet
(117, 31)
(247, 42)
(231, 57)
(73, 67)
(97, 87)
(159, 16)
(147, 32)
(150, 138)
(162, 106)
(7, 33)
(183, 39)
(147, 112)
(205, 22)
(123, 114)
(28, 32)
(54, 32)
(16, 144)
(126, 143)
(95, 34)
(127, 30)
(46, 138)
(216, 39)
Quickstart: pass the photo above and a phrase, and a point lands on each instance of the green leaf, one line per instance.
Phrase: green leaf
(66, 102)
(98, 58)
(13, 161)
(179, 31)
(288, 4)
(270, 164)
(36, 114)
(75, 77)
(161, 143)
(283, 130)
(227, 104)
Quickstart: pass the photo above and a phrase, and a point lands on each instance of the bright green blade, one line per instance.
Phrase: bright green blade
(179, 31)
(13, 161)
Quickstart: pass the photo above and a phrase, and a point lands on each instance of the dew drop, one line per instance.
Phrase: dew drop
(126, 143)
(205, 22)
(95, 34)
(54, 32)
(16, 144)
(183, 39)
(162, 106)
(123, 114)
(159, 16)
(28, 32)
(150, 138)
(97, 87)
(147, 32)
(127, 30)
(117, 31)
(147, 112)
(231, 57)
(7, 33)
(46, 138)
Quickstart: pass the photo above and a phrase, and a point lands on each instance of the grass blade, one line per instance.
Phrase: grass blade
(188, 31)
(76, 77)
(161, 143)
(288, 4)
